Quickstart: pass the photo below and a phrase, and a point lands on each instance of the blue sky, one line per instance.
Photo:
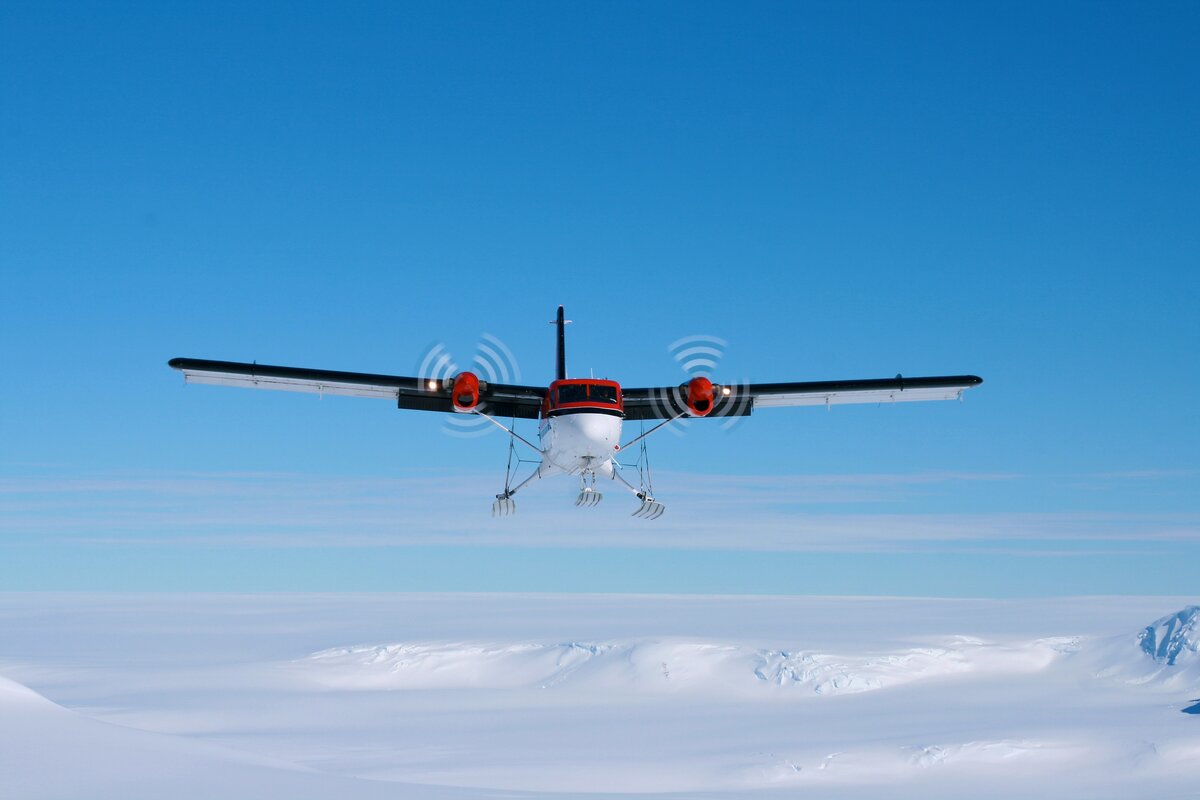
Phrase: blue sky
(836, 191)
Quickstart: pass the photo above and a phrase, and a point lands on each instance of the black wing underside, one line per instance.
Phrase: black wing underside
(739, 400)
(503, 400)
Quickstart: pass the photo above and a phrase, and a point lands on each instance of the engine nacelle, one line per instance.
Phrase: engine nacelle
(699, 397)
(465, 395)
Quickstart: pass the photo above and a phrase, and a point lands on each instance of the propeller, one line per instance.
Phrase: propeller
(493, 362)
(698, 355)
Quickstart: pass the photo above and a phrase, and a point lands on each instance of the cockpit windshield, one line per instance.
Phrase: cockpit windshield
(606, 394)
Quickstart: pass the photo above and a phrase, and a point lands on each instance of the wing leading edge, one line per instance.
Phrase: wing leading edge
(741, 399)
(407, 392)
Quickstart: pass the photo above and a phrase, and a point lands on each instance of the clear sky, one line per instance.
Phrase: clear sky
(838, 191)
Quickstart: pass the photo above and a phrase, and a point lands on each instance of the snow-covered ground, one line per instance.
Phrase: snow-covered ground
(463, 696)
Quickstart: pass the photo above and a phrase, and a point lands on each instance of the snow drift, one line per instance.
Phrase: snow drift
(51, 752)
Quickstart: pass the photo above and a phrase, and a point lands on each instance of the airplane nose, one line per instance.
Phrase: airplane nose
(600, 432)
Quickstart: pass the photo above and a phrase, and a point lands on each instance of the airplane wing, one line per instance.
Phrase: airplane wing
(422, 394)
(741, 399)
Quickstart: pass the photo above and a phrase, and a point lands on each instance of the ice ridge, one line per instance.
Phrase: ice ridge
(1171, 637)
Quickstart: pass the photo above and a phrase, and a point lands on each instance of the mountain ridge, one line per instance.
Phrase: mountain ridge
(1172, 637)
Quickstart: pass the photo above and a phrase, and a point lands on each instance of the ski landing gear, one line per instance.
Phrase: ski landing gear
(504, 504)
(588, 496)
(650, 508)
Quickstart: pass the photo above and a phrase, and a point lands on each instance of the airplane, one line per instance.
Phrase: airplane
(579, 419)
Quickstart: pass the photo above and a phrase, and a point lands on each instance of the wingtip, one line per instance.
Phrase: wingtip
(175, 363)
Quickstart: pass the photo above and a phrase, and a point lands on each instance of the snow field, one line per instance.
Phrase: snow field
(468, 696)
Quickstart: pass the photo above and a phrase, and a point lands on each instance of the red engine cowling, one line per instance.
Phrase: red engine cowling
(465, 395)
(699, 397)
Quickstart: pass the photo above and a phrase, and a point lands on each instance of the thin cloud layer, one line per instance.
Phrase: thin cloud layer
(816, 513)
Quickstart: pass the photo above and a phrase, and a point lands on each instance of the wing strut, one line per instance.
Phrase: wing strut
(509, 431)
(644, 434)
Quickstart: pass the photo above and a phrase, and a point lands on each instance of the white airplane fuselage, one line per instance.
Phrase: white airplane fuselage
(580, 427)
(580, 442)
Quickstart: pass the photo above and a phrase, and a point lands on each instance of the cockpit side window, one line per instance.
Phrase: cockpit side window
(604, 394)
(572, 393)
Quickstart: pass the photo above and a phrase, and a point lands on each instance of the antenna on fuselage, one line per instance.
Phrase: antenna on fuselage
(561, 372)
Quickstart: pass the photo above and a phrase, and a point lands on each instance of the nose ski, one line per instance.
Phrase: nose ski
(588, 497)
